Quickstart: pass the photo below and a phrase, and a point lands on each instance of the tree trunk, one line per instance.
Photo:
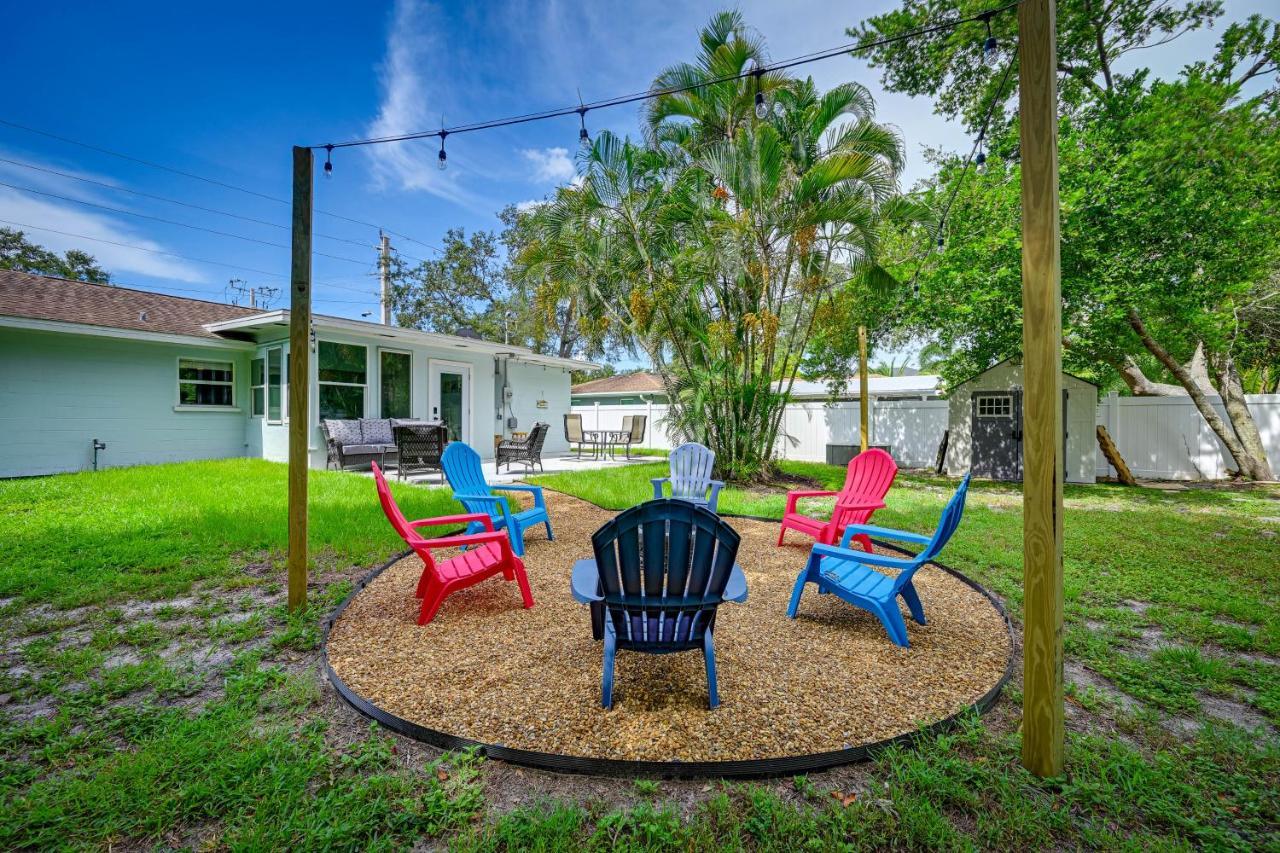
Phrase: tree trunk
(1242, 421)
(1245, 462)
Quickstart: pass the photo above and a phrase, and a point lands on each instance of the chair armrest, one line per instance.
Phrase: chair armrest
(714, 496)
(468, 539)
(585, 582)
(736, 589)
(861, 557)
(792, 497)
(883, 532)
(498, 499)
(536, 491)
(465, 518)
(657, 486)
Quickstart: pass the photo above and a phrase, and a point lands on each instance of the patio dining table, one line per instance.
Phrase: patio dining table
(606, 441)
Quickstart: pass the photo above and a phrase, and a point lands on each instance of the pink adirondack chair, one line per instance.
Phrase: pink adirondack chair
(492, 555)
(866, 483)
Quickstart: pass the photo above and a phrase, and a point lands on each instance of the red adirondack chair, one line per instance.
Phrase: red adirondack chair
(492, 555)
(868, 480)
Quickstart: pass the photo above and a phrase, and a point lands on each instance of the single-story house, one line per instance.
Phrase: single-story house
(626, 389)
(985, 425)
(160, 378)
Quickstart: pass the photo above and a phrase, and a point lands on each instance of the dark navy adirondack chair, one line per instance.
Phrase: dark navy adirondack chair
(461, 466)
(660, 571)
(849, 574)
(690, 478)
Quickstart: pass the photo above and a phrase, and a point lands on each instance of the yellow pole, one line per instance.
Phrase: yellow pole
(299, 375)
(1043, 731)
(863, 403)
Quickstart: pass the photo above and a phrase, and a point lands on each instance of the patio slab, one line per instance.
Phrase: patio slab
(550, 464)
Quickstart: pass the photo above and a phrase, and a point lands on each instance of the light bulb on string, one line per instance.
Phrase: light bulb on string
(328, 161)
(584, 138)
(989, 46)
(980, 160)
(762, 107)
(443, 157)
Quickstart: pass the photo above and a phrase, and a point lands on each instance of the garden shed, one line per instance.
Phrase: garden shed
(985, 425)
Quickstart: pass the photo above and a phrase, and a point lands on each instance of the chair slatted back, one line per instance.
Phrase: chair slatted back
(947, 524)
(537, 437)
(691, 466)
(398, 521)
(461, 466)
(626, 424)
(638, 423)
(420, 443)
(573, 428)
(663, 569)
(869, 474)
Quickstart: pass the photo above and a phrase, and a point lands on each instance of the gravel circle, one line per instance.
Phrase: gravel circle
(489, 670)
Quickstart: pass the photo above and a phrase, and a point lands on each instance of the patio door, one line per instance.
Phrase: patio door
(450, 397)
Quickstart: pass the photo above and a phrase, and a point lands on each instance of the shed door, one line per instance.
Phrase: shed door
(997, 434)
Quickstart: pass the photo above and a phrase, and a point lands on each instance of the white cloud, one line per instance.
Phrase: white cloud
(414, 57)
(36, 214)
(530, 204)
(550, 165)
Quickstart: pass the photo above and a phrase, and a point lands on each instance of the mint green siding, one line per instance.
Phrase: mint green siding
(60, 391)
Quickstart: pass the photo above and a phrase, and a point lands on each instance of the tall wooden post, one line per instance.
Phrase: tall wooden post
(864, 404)
(1043, 731)
(299, 376)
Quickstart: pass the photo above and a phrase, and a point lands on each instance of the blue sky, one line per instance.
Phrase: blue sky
(224, 90)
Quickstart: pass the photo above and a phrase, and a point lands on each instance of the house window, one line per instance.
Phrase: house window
(343, 378)
(206, 383)
(393, 373)
(257, 387)
(1000, 406)
(275, 383)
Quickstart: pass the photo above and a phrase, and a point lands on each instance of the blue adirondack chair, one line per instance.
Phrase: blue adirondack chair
(461, 466)
(660, 571)
(849, 574)
(690, 478)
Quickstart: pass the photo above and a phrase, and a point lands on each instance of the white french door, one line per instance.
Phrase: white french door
(449, 397)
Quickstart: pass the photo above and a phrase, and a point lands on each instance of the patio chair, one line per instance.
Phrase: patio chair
(690, 478)
(488, 554)
(851, 576)
(527, 452)
(660, 571)
(869, 476)
(420, 447)
(574, 434)
(462, 469)
(633, 431)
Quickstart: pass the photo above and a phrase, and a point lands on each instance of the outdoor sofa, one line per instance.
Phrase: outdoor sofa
(354, 444)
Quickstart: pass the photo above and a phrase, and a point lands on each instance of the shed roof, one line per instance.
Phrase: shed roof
(1017, 358)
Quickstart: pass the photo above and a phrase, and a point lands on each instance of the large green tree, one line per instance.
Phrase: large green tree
(1170, 217)
(19, 253)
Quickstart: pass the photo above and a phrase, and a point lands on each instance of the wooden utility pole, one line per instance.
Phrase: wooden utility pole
(1043, 732)
(299, 376)
(864, 404)
(384, 269)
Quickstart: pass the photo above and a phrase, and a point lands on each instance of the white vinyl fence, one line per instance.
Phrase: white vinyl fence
(1159, 437)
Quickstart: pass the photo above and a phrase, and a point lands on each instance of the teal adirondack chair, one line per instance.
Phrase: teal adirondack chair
(690, 478)
(849, 575)
(461, 466)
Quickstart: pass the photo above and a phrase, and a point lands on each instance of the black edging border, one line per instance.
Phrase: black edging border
(750, 768)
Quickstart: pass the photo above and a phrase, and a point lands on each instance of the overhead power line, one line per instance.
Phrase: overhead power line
(197, 177)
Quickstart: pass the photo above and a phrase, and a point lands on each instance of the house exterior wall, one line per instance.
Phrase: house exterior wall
(531, 384)
(1082, 408)
(60, 391)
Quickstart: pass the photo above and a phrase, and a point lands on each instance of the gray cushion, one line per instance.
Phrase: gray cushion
(343, 432)
(376, 432)
(372, 449)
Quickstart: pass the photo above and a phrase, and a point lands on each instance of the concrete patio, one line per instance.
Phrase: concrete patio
(550, 465)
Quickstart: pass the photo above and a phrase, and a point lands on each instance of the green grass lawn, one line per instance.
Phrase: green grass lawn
(155, 693)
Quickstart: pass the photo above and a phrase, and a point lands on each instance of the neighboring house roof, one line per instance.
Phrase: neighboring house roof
(877, 386)
(630, 383)
(1015, 358)
(39, 297)
(58, 300)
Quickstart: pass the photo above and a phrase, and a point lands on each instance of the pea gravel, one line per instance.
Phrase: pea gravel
(489, 670)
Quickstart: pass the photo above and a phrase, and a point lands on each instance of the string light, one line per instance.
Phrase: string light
(584, 138)
(443, 157)
(989, 46)
(328, 161)
(980, 160)
(762, 108)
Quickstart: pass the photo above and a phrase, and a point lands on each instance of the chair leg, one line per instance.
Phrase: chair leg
(912, 598)
(431, 605)
(782, 531)
(799, 588)
(891, 617)
(550, 535)
(606, 680)
(865, 541)
(424, 583)
(516, 534)
(709, 656)
(523, 580)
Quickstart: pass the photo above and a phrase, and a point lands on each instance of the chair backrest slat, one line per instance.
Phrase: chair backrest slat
(638, 423)
(663, 567)
(573, 428)
(691, 466)
(870, 473)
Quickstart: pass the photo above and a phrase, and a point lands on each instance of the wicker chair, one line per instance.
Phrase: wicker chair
(633, 429)
(527, 452)
(574, 434)
(420, 447)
